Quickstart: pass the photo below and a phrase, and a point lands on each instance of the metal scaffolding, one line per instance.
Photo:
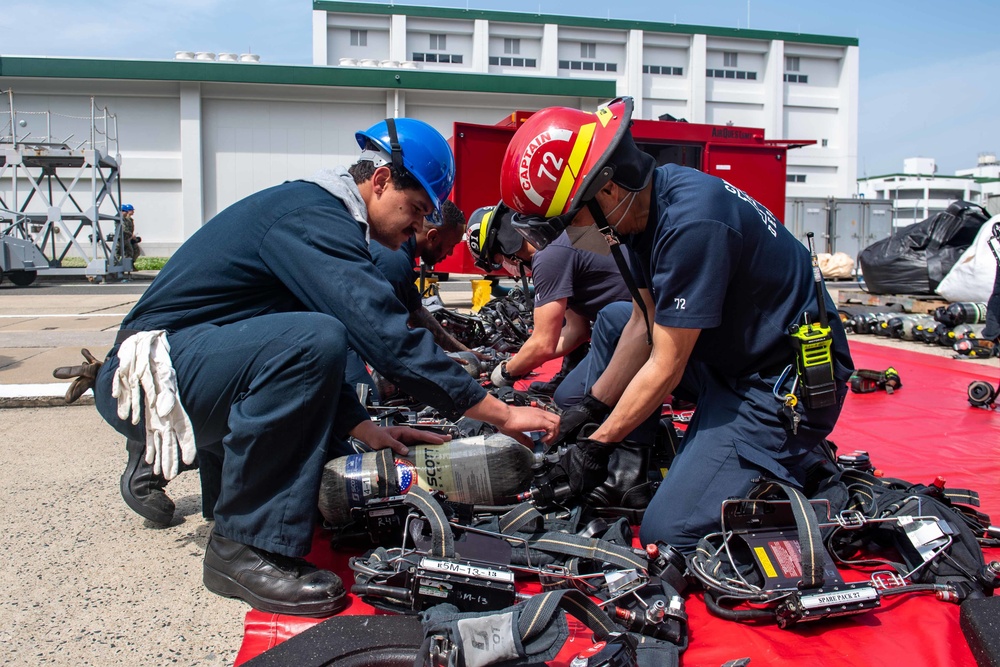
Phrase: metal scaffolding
(63, 194)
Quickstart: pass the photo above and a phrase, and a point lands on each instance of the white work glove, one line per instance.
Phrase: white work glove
(144, 363)
(499, 377)
(133, 356)
(168, 428)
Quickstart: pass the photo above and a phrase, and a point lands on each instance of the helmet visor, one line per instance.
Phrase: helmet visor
(539, 231)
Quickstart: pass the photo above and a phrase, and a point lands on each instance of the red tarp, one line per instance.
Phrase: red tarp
(925, 430)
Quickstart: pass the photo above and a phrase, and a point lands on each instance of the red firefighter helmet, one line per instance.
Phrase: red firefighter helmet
(557, 158)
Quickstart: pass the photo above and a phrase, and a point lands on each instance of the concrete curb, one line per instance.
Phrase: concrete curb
(48, 395)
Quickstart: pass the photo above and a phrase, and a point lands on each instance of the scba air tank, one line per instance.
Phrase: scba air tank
(481, 470)
(963, 312)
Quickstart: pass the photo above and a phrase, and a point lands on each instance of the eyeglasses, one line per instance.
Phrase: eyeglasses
(539, 231)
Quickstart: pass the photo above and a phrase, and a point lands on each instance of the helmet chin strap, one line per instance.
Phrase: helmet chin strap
(528, 300)
(612, 237)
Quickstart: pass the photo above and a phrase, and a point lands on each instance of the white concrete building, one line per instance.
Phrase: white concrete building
(919, 192)
(987, 174)
(794, 86)
(197, 134)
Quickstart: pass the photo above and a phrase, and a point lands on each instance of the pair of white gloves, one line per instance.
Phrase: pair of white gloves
(145, 369)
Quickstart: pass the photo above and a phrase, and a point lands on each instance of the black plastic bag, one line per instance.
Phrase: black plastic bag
(918, 257)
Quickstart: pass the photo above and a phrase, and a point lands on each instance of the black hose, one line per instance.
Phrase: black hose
(736, 615)
(910, 588)
(492, 509)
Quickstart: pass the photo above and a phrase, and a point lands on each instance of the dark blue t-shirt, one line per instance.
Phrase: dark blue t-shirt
(719, 261)
(586, 280)
(397, 267)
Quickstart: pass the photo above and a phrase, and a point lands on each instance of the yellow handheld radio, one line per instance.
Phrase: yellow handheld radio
(813, 342)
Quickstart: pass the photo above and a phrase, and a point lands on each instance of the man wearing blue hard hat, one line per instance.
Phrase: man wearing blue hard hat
(237, 351)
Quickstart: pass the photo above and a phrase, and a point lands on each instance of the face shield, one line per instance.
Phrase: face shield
(539, 231)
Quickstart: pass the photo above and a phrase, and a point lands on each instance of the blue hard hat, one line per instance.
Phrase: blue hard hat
(420, 149)
(127, 208)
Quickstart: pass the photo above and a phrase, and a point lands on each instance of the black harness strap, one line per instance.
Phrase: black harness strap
(810, 540)
(605, 228)
(567, 544)
(538, 610)
(397, 150)
(442, 539)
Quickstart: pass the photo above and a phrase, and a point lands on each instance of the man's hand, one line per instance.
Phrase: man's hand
(500, 377)
(395, 437)
(588, 411)
(523, 419)
(585, 465)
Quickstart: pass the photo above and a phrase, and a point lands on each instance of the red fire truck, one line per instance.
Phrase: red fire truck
(741, 155)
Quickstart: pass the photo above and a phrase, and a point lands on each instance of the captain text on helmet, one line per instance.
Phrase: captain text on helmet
(720, 281)
(237, 352)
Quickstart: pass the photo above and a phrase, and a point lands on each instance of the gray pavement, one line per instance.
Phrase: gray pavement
(86, 581)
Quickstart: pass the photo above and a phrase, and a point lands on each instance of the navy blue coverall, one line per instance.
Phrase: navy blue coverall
(716, 260)
(397, 267)
(260, 306)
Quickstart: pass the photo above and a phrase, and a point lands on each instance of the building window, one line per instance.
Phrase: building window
(511, 46)
(796, 78)
(729, 59)
(825, 143)
(795, 178)
(453, 58)
(791, 63)
(731, 74)
(588, 65)
(663, 69)
(359, 38)
(588, 50)
(506, 61)
(438, 43)
(946, 194)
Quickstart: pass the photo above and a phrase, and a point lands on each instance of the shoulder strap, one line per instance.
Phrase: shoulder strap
(810, 541)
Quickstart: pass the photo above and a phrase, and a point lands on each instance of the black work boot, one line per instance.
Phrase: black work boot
(271, 582)
(142, 489)
(627, 490)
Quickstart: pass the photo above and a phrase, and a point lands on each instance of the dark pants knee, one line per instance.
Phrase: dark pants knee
(262, 394)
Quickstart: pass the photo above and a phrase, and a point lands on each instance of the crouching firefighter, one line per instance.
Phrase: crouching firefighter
(238, 350)
(717, 281)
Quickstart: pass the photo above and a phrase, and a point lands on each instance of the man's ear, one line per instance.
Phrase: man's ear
(610, 189)
(431, 234)
(381, 179)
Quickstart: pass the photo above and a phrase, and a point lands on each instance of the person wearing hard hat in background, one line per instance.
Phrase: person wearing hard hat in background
(130, 242)
(238, 349)
(721, 281)
(129, 248)
(572, 287)
(432, 243)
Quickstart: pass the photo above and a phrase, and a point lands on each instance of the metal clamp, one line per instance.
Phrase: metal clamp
(851, 519)
(442, 652)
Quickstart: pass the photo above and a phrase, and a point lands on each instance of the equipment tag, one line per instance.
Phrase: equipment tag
(467, 570)
(855, 595)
